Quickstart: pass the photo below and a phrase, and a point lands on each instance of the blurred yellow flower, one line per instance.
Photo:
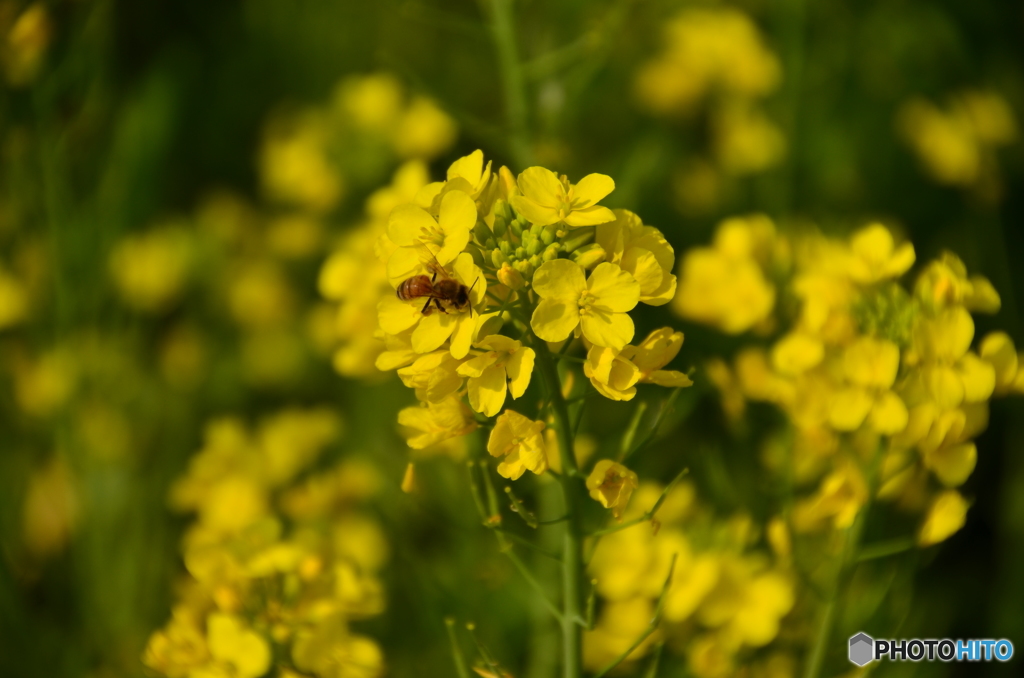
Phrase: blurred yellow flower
(875, 256)
(151, 269)
(946, 515)
(432, 423)
(230, 641)
(519, 443)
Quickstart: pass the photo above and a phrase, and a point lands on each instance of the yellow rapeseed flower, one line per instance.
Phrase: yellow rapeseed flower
(502, 361)
(642, 251)
(612, 484)
(946, 516)
(658, 349)
(598, 304)
(545, 199)
(613, 376)
(411, 227)
(230, 641)
(519, 442)
(432, 423)
(875, 256)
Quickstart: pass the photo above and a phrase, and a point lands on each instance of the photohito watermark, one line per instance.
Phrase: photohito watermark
(865, 649)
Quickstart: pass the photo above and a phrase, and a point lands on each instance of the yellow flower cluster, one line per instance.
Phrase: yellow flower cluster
(879, 383)
(725, 598)
(279, 561)
(309, 156)
(957, 145)
(483, 252)
(716, 55)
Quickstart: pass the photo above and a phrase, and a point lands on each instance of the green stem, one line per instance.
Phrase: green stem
(503, 27)
(572, 554)
(844, 572)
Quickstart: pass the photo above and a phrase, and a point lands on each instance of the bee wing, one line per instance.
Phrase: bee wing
(429, 260)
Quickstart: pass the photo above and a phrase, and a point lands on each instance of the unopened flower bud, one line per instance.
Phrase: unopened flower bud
(498, 258)
(578, 237)
(481, 233)
(589, 256)
(547, 236)
(510, 277)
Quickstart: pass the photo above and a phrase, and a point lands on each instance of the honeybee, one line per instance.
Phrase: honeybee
(446, 293)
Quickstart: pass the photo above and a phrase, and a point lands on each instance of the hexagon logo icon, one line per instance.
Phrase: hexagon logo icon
(862, 649)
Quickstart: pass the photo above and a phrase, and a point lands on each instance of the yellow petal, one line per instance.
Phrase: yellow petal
(947, 515)
(591, 190)
(953, 465)
(669, 378)
(537, 214)
(462, 335)
(872, 362)
(487, 392)
(520, 368)
(983, 297)
(559, 278)
(613, 288)
(470, 167)
(849, 408)
(407, 222)
(997, 348)
(395, 316)
(601, 328)
(796, 353)
(644, 268)
(458, 214)
(978, 376)
(945, 386)
(476, 366)
(889, 415)
(403, 263)
(541, 186)
(589, 216)
(432, 331)
(554, 319)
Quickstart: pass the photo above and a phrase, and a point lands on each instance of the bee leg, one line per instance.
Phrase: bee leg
(426, 307)
(440, 308)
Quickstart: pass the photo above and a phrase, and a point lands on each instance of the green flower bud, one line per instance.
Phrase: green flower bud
(498, 258)
(535, 246)
(481, 233)
(490, 243)
(549, 254)
(526, 268)
(589, 256)
(520, 253)
(506, 248)
(578, 237)
(536, 229)
(517, 228)
(547, 236)
(536, 260)
(500, 226)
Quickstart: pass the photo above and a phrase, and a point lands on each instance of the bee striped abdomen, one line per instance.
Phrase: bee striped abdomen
(415, 287)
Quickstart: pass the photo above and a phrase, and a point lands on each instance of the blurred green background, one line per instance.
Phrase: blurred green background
(138, 110)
